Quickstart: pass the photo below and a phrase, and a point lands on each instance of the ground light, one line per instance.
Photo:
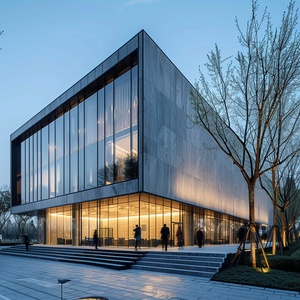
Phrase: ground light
(62, 281)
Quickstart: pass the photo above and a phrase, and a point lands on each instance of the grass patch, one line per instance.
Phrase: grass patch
(284, 273)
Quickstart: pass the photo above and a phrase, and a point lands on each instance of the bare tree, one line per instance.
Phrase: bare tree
(19, 225)
(284, 194)
(289, 204)
(283, 159)
(243, 97)
(4, 205)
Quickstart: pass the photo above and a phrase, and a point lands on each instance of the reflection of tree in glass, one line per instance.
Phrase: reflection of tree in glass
(126, 170)
(131, 167)
(110, 173)
(101, 177)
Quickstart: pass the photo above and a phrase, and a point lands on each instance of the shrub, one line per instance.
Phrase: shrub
(296, 254)
(285, 263)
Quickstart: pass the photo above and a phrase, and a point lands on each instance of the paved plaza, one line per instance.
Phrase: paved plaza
(24, 278)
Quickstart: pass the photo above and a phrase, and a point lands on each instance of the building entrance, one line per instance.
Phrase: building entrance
(174, 240)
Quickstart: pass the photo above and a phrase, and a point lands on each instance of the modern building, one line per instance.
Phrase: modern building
(118, 149)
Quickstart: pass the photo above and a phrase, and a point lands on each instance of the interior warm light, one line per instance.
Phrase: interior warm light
(174, 214)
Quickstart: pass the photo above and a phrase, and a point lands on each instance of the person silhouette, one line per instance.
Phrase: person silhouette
(179, 235)
(165, 234)
(200, 238)
(96, 239)
(137, 236)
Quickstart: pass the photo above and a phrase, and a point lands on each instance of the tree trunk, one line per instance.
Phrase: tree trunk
(274, 238)
(283, 229)
(275, 201)
(251, 190)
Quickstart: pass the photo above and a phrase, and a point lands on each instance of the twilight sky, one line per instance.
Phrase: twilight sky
(47, 46)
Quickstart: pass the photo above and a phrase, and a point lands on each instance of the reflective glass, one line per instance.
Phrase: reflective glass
(91, 142)
(59, 148)
(134, 97)
(81, 133)
(81, 168)
(122, 157)
(109, 147)
(27, 174)
(81, 129)
(122, 102)
(91, 119)
(31, 169)
(109, 110)
(66, 153)
(134, 122)
(39, 165)
(45, 185)
(51, 159)
(122, 127)
(109, 165)
(74, 171)
(101, 164)
(74, 129)
(23, 172)
(74, 149)
(134, 153)
(90, 166)
(35, 167)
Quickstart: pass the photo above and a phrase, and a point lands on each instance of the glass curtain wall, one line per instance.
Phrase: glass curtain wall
(59, 225)
(115, 219)
(94, 143)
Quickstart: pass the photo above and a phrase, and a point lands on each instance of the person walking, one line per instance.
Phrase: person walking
(137, 236)
(165, 234)
(242, 233)
(200, 238)
(26, 242)
(179, 235)
(96, 239)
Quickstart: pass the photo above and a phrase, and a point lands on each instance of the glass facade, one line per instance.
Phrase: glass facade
(115, 219)
(91, 144)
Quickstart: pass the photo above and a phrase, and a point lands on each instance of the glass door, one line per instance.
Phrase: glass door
(173, 238)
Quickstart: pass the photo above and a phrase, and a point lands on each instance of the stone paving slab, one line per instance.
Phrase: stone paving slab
(23, 278)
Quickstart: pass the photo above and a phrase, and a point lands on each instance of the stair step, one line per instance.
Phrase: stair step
(181, 266)
(174, 271)
(81, 256)
(184, 260)
(109, 265)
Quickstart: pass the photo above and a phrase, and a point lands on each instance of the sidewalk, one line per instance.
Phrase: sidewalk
(24, 278)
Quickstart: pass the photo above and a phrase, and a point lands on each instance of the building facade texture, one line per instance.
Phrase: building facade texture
(118, 149)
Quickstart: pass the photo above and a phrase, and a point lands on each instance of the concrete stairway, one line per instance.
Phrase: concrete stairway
(184, 263)
(113, 259)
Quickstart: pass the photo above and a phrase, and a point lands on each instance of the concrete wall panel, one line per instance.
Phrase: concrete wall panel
(187, 165)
